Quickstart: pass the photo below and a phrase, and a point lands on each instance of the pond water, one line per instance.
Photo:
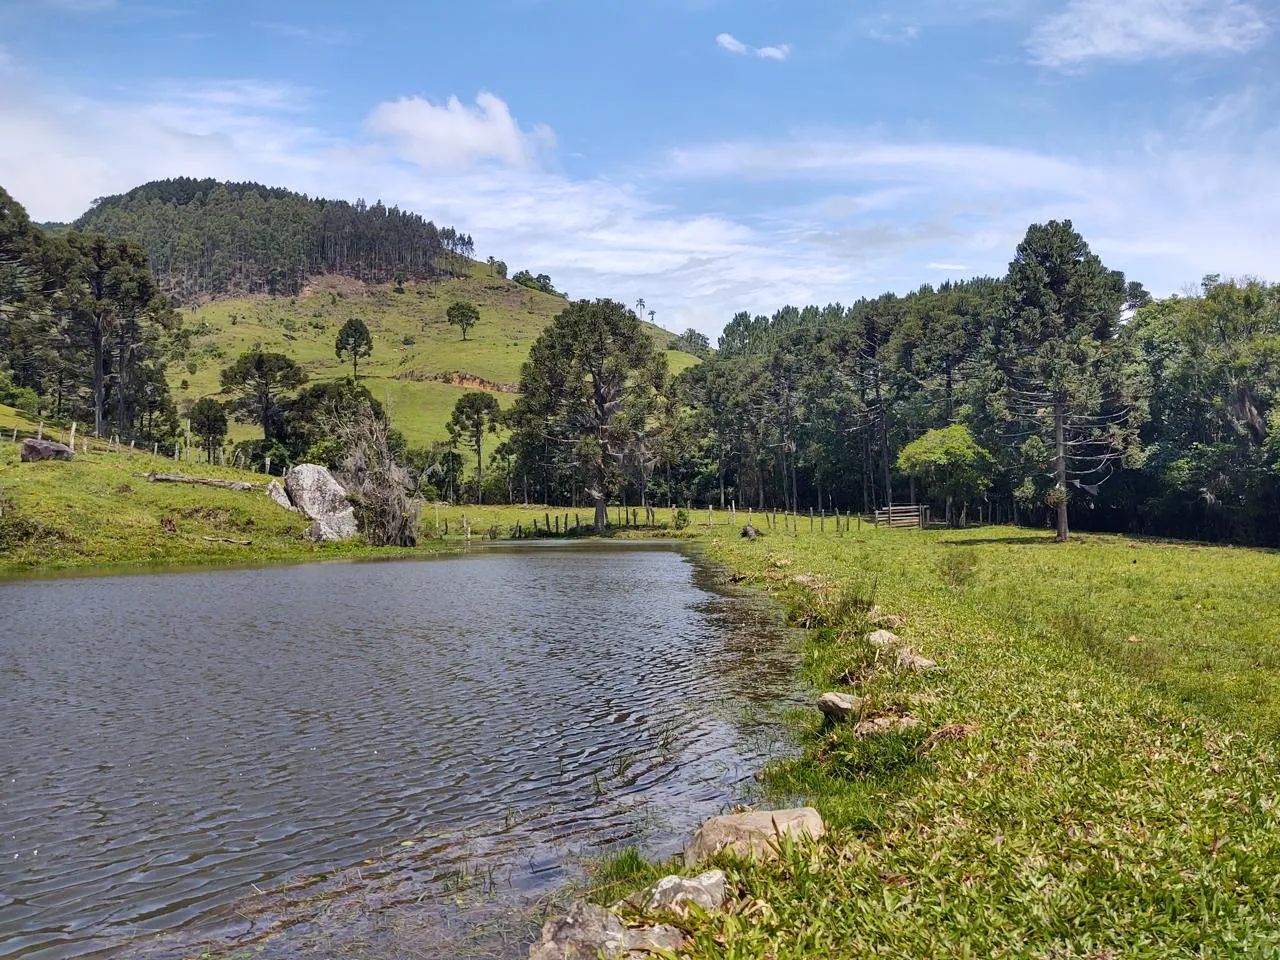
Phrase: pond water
(410, 753)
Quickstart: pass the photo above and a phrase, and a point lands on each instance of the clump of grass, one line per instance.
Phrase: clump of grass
(620, 873)
(958, 568)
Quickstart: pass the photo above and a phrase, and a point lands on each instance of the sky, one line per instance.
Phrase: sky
(710, 156)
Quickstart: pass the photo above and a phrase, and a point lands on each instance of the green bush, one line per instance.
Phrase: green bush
(682, 519)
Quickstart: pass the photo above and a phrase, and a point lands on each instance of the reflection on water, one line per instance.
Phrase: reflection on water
(175, 744)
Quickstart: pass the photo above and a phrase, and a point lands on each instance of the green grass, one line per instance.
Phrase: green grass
(416, 353)
(1094, 774)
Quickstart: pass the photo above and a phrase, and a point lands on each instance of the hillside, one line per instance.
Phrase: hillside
(420, 365)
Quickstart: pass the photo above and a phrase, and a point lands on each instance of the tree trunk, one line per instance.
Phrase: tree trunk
(1060, 454)
(99, 382)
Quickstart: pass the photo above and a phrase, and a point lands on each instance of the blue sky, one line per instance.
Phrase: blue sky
(710, 156)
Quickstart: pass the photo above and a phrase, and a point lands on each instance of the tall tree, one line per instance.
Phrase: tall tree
(354, 342)
(580, 373)
(109, 300)
(463, 315)
(261, 382)
(1065, 374)
(208, 420)
(475, 414)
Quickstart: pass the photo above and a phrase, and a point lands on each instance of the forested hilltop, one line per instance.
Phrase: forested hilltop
(205, 238)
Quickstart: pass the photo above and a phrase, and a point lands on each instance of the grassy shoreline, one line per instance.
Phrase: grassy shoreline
(1085, 781)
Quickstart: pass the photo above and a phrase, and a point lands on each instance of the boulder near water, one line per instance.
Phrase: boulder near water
(319, 497)
(277, 493)
(753, 835)
(35, 450)
(839, 706)
(674, 894)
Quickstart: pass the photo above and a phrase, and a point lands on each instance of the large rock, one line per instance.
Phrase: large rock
(35, 450)
(588, 932)
(277, 493)
(674, 894)
(319, 497)
(839, 706)
(753, 835)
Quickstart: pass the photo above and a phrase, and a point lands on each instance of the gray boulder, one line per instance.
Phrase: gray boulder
(588, 932)
(276, 493)
(839, 706)
(908, 659)
(753, 835)
(674, 894)
(312, 489)
(35, 450)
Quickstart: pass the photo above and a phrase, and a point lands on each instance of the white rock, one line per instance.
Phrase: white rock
(276, 493)
(883, 638)
(908, 659)
(321, 498)
(588, 932)
(753, 835)
(675, 893)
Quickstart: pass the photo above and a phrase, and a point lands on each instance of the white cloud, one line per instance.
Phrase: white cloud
(947, 267)
(1131, 30)
(777, 51)
(453, 136)
(780, 52)
(728, 41)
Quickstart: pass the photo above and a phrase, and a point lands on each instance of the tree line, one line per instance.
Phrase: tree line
(1058, 394)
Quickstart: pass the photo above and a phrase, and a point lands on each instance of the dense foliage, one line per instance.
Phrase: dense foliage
(85, 333)
(1096, 404)
(206, 238)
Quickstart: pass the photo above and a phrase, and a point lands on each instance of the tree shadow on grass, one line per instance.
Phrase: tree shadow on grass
(982, 541)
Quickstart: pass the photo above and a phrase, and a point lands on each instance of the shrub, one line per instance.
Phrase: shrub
(682, 519)
(958, 568)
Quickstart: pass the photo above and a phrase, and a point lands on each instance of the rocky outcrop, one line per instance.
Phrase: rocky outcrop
(757, 834)
(588, 932)
(674, 894)
(318, 497)
(34, 451)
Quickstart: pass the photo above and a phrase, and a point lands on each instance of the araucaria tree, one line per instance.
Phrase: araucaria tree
(1063, 372)
(354, 343)
(581, 373)
(209, 423)
(475, 414)
(261, 382)
(464, 315)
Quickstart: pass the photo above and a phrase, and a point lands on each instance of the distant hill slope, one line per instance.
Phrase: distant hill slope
(268, 267)
(207, 238)
(420, 365)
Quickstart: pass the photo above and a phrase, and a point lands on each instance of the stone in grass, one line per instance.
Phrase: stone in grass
(674, 894)
(839, 706)
(887, 621)
(908, 659)
(35, 450)
(888, 723)
(757, 834)
(883, 638)
(588, 932)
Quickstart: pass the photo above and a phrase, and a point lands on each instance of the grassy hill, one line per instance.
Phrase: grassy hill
(420, 365)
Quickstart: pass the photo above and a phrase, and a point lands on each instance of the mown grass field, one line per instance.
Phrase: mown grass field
(420, 365)
(1094, 774)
